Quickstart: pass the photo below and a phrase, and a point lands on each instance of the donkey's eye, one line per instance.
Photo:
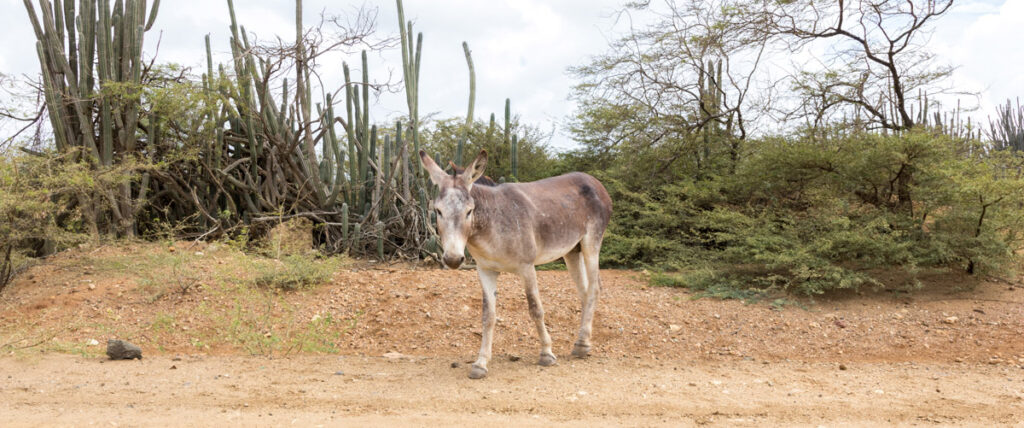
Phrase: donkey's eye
(469, 213)
(438, 212)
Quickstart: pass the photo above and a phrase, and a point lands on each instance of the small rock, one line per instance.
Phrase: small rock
(339, 373)
(121, 350)
(93, 342)
(393, 355)
(879, 391)
(92, 286)
(674, 327)
(174, 368)
(951, 320)
(842, 367)
(840, 323)
(455, 364)
(513, 358)
(979, 311)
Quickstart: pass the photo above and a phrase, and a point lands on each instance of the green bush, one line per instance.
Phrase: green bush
(44, 204)
(809, 215)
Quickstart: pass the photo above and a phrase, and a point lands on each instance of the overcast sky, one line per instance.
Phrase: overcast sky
(521, 48)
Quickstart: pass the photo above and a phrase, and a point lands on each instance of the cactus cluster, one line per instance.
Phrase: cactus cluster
(949, 122)
(269, 147)
(92, 72)
(356, 182)
(1007, 131)
(82, 50)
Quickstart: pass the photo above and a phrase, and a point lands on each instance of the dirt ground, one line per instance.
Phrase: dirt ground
(418, 391)
(951, 354)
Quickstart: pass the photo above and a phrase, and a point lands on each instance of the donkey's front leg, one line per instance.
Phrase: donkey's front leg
(489, 283)
(529, 274)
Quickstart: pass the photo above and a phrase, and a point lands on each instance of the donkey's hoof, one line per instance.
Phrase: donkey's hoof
(477, 372)
(580, 350)
(547, 360)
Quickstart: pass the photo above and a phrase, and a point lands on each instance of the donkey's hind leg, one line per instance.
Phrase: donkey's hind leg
(590, 249)
(574, 264)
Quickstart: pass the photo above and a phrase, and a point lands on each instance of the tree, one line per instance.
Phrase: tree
(677, 89)
(875, 57)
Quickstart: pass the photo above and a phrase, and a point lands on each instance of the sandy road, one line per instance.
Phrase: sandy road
(60, 389)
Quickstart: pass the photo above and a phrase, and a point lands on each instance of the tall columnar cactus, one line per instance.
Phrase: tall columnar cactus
(411, 77)
(711, 99)
(469, 111)
(511, 141)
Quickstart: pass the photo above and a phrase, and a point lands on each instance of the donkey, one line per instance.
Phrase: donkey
(512, 227)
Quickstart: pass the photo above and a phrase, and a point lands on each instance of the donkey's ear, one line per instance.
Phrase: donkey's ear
(475, 170)
(436, 173)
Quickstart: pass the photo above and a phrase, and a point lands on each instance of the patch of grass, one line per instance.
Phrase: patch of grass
(707, 283)
(294, 272)
(319, 335)
(163, 322)
(261, 321)
(74, 348)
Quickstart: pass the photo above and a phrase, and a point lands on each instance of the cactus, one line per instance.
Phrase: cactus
(469, 112)
(515, 158)
(510, 141)
(712, 97)
(380, 240)
(344, 222)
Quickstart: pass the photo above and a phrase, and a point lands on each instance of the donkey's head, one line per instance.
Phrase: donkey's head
(454, 205)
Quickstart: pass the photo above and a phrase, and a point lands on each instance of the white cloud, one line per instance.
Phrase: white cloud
(980, 38)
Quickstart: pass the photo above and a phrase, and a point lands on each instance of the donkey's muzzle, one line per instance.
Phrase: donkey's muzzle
(453, 262)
